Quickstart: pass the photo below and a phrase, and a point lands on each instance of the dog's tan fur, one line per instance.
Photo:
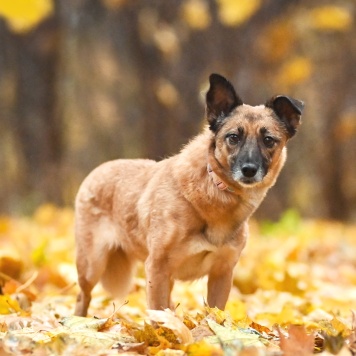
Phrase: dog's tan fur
(171, 214)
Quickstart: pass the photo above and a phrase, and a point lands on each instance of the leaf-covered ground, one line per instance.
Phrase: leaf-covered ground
(294, 294)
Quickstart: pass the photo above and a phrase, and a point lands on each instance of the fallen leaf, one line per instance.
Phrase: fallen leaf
(260, 328)
(203, 348)
(75, 323)
(8, 305)
(297, 342)
(169, 320)
(294, 272)
(247, 337)
(201, 332)
(333, 343)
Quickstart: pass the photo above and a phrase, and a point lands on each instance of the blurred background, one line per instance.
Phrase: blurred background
(85, 81)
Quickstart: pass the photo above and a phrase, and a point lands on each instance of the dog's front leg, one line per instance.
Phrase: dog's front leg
(219, 286)
(158, 283)
(221, 275)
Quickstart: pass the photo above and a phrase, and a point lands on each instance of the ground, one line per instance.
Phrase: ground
(294, 294)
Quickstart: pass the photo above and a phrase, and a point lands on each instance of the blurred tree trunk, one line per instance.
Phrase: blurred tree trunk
(333, 166)
(37, 123)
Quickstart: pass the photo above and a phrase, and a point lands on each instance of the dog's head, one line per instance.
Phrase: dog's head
(249, 141)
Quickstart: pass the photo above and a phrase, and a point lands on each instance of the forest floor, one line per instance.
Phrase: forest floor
(294, 294)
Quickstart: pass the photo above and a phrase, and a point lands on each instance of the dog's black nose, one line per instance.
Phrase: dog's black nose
(249, 170)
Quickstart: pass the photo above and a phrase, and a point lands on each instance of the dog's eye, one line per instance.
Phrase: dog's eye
(269, 141)
(233, 139)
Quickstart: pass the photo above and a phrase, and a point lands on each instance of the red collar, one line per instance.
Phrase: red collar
(217, 180)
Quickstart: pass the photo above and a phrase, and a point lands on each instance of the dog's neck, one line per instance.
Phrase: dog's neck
(220, 184)
(216, 171)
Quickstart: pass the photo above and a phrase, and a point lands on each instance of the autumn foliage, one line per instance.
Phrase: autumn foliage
(115, 73)
(294, 292)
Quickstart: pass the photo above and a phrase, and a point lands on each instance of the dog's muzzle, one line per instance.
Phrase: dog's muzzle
(249, 170)
(248, 173)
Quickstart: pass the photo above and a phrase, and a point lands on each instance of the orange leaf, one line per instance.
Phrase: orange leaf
(298, 341)
(260, 328)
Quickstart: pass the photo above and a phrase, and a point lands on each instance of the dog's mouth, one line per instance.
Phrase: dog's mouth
(248, 181)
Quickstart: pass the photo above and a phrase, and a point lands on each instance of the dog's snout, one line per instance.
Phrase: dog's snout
(249, 170)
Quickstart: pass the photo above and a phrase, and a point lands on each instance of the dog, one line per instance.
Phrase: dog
(185, 216)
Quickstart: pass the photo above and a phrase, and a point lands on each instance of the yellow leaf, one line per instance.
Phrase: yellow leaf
(288, 314)
(237, 309)
(8, 305)
(169, 320)
(75, 323)
(335, 327)
(228, 335)
(218, 315)
(235, 13)
(147, 335)
(38, 255)
(189, 322)
(202, 348)
(340, 327)
(23, 15)
(196, 14)
(330, 17)
(295, 71)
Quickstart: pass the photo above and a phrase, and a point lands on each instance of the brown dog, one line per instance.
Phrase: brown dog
(186, 216)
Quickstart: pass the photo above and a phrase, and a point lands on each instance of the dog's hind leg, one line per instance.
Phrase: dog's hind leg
(91, 266)
(113, 268)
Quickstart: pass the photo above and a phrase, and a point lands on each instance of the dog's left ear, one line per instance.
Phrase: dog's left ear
(288, 110)
(221, 99)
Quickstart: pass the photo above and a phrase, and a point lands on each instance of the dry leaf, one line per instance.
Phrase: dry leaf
(297, 342)
(170, 320)
(288, 268)
(246, 337)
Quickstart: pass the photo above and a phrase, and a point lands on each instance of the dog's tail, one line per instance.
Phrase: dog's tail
(118, 275)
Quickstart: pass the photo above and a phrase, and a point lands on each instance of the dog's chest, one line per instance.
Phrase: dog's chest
(195, 258)
(204, 252)
(195, 266)
(219, 234)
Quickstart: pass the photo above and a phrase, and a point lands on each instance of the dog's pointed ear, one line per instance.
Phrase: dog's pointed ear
(288, 110)
(221, 99)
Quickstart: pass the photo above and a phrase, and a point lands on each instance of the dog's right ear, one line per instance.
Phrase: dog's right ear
(221, 99)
